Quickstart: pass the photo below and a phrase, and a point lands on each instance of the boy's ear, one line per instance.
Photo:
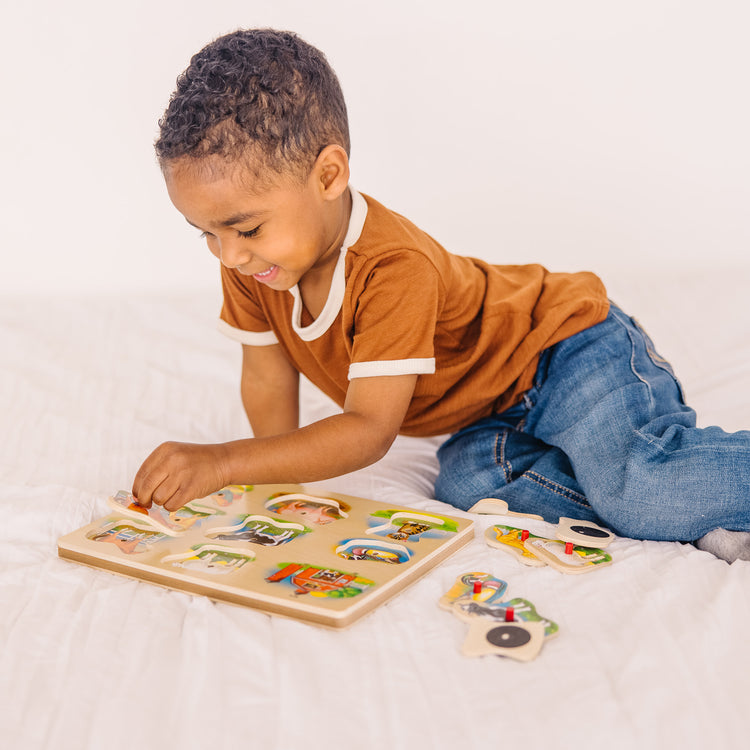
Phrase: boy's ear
(331, 171)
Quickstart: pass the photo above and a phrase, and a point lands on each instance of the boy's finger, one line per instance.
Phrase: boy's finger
(166, 490)
(149, 477)
(145, 485)
(140, 494)
(178, 499)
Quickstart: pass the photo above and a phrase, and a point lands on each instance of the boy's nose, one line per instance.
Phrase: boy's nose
(232, 254)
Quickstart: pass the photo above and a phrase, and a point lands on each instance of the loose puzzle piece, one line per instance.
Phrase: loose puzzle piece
(583, 533)
(566, 557)
(492, 506)
(511, 540)
(478, 587)
(524, 610)
(518, 640)
(507, 628)
(508, 611)
(173, 523)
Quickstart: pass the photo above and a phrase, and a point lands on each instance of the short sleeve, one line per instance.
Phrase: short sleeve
(242, 317)
(395, 316)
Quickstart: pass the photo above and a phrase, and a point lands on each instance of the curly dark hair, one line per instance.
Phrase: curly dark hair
(258, 96)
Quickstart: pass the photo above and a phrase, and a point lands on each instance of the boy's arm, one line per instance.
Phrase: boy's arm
(176, 473)
(270, 390)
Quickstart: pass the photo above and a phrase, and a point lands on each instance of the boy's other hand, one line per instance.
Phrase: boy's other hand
(176, 473)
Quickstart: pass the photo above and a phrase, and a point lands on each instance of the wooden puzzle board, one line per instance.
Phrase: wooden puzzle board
(296, 558)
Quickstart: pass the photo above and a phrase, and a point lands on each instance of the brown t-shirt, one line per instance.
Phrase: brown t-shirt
(401, 304)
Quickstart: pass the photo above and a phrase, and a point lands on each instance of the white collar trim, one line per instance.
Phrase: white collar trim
(338, 284)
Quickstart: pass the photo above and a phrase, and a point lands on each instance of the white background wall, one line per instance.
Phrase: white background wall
(581, 134)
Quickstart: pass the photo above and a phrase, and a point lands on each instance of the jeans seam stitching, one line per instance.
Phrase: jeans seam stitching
(650, 441)
(507, 465)
(501, 458)
(558, 489)
(633, 367)
(656, 358)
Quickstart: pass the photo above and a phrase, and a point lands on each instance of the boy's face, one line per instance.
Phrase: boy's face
(276, 235)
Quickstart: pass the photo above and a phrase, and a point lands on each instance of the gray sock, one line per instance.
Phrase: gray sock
(727, 545)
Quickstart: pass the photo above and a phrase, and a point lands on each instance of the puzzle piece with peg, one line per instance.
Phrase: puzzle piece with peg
(583, 533)
(511, 628)
(493, 506)
(577, 548)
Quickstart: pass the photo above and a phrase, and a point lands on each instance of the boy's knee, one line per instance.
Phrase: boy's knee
(449, 488)
(636, 515)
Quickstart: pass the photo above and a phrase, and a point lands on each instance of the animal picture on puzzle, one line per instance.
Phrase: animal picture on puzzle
(326, 559)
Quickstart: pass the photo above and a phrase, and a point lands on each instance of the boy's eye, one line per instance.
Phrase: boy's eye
(244, 235)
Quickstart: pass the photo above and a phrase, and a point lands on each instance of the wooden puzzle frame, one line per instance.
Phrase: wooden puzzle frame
(330, 560)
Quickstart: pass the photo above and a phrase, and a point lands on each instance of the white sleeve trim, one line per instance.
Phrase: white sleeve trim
(424, 366)
(253, 338)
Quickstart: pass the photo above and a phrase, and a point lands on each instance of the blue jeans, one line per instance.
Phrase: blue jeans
(605, 435)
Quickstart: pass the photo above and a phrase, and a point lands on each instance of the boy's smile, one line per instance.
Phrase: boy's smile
(278, 235)
(265, 276)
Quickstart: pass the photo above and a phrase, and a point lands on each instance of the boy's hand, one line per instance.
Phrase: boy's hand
(176, 473)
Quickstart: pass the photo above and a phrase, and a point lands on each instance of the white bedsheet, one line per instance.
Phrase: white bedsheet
(653, 651)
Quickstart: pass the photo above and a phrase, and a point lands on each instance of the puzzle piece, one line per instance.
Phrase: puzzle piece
(211, 558)
(492, 506)
(511, 540)
(490, 590)
(518, 640)
(583, 533)
(525, 611)
(129, 536)
(506, 628)
(173, 523)
(410, 525)
(230, 494)
(566, 557)
(374, 550)
(258, 530)
(124, 503)
(514, 610)
(317, 510)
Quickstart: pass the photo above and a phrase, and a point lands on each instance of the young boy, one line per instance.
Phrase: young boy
(555, 399)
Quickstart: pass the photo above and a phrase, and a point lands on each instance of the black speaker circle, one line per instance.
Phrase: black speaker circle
(588, 531)
(508, 636)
